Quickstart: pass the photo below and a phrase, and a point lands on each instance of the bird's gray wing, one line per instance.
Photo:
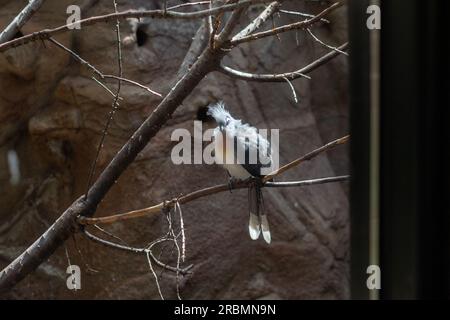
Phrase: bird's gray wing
(253, 168)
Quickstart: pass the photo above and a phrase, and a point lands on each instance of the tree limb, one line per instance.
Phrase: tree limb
(307, 157)
(45, 34)
(256, 23)
(223, 187)
(293, 26)
(281, 77)
(20, 20)
(200, 194)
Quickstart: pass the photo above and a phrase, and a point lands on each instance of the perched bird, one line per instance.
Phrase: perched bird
(243, 152)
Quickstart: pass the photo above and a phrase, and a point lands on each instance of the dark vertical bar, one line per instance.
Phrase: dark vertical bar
(400, 101)
(434, 267)
(360, 144)
(414, 146)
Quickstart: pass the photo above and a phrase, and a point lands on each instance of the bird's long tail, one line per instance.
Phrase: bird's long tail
(258, 219)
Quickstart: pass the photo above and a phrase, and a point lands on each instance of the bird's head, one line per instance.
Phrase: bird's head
(222, 116)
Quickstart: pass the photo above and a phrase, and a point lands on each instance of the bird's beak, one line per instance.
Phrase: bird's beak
(221, 127)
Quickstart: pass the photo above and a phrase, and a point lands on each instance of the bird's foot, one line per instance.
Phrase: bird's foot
(231, 183)
(256, 181)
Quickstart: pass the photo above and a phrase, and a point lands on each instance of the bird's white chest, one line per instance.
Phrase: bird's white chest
(228, 159)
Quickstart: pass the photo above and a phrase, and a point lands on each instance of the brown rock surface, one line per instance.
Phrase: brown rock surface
(52, 114)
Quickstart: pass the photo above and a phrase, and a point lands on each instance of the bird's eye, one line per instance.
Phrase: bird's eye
(227, 121)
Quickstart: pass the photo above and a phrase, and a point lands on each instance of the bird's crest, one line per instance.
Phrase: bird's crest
(218, 112)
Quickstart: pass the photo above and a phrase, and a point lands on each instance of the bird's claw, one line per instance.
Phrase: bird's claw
(231, 182)
(256, 181)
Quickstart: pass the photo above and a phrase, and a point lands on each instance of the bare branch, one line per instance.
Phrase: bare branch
(292, 89)
(188, 4)
(258, 21)
(231, 24)
(307, 15)
(215, 189)
(45, 34)
(19, 21)
(183, 237)
(324, 44)
(135, 250)
(307, 182)
(154, 274)
(198, 44)
(76, 57)
(200, 194)
(293, 26)
(137, 84)
(115, 104)
(281, 77)
(307, 157)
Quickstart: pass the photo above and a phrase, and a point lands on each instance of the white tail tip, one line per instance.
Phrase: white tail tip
(253, 227)
(265, 229)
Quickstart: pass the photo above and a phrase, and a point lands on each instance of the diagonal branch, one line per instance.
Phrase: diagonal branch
(281, 77)
(258, 21)
(307, 157)
(201, 194)
(323, 43)
(19, 21)
(293, 26)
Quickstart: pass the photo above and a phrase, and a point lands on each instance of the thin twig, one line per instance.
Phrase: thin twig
(188, 4)
(111, 235)
(86, 64)
(109, 76)
(293, 26)
(324, 44)
(307, 157)
(115, 104)
(130, 249)
(76, 56)
(307, 15)
(292, 89)
(281, 77)
(86, 264)
(178, 254)
(307, 182)
(154, 274)
(183, 237)
(101, 84)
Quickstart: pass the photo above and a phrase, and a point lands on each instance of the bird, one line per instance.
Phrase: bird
(251, 152)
